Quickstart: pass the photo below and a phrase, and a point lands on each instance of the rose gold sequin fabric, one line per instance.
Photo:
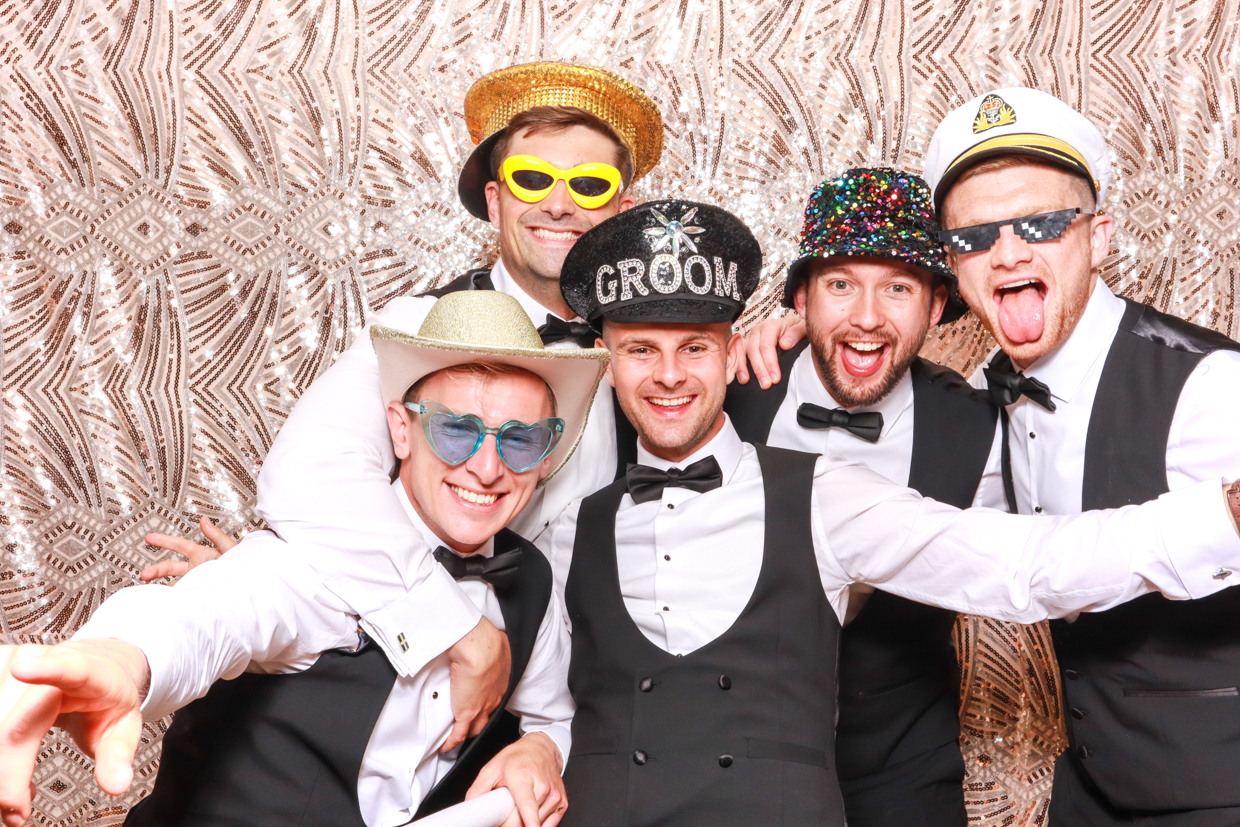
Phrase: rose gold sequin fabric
(200, 203)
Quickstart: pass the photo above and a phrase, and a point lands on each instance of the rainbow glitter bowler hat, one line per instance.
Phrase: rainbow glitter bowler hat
(502, 95)
(880, 212)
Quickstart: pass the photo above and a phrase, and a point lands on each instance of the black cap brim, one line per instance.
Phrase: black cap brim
(471, 186)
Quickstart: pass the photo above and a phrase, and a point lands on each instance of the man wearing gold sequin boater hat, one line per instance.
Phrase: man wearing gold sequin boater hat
(557, 146)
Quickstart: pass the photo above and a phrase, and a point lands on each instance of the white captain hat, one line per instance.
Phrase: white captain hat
(1016, 121)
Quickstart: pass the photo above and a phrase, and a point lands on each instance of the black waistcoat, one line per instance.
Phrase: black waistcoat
(1150, 687)
(287, 749)
(739, 732)
(899, 680)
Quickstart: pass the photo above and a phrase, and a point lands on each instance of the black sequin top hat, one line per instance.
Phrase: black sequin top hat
(878, 212)
(663, 262)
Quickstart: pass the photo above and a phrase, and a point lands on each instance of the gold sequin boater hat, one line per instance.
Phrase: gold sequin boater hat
(498, 97)
(488, 326)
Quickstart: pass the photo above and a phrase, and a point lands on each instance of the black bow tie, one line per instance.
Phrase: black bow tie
(646, 483)
(868, 426)
(1006, 386)
(558, 330)
(500, 571)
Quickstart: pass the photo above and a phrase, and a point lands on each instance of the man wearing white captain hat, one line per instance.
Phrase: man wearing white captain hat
(1104, 402)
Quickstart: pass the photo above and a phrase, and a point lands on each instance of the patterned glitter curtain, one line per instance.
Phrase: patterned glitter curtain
(200, 202)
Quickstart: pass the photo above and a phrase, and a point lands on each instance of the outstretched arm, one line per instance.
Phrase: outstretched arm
(1024, 569)
(92, 689)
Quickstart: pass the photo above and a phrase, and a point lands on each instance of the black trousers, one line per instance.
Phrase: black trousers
(1076, 802)
(925, 791)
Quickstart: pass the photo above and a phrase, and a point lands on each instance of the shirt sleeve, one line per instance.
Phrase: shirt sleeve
(542, 699)
(1204, 442)
(260, 602)
(1012, 567)
(325, 489)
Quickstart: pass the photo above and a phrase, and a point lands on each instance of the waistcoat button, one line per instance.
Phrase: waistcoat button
(646, 685)
(1078, 713)
(1082, 752)
(1071, 674)
(725, 760)
(725, 682)
(639, 757)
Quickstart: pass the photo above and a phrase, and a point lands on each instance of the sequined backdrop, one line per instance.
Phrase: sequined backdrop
(200, 202)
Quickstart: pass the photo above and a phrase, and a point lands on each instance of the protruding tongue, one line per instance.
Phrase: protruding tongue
(1020, 313)
(861, 363)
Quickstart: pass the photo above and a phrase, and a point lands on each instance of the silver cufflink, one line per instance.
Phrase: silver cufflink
(404, 644)
(1222, 574)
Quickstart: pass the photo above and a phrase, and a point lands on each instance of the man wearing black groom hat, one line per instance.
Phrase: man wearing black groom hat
(705, 589)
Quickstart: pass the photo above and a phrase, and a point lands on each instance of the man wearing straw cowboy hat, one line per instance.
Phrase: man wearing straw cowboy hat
(705, 588)
(480, 414)
(870, 280)
(558, 146)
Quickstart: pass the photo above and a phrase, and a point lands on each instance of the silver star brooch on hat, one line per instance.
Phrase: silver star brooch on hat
(676, 232)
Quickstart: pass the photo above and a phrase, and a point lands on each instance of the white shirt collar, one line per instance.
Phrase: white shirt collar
(503, 282)
(432, 539)
(726, 447)
(1065, 368)
(810, 388)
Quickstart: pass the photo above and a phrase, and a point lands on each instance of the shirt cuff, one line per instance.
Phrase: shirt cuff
(559, 733)
(1200, 538)
(114, 619)
(423, 624)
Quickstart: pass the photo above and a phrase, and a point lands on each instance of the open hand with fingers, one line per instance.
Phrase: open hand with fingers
(530, 769)
(763, 343)
(92, 689)
(194, 553)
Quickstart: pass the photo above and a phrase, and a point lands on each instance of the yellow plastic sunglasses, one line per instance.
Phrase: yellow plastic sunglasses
(531, 179)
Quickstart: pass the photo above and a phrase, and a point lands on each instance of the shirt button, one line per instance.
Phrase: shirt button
(671, 505)
(646, 685)
(1082, 752)
(1078, 713)
(666, 609)
(1032, 435)
(667, 557)
(725, 682)
(435, 695)
(1071, 674)
(1037, 509)
(725, 760)
(640, 757)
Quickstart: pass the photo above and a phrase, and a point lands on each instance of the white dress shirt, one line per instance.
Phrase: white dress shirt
(324, 489)
(401, 763)
(689, 562)
(891, 456)
(1048, 448)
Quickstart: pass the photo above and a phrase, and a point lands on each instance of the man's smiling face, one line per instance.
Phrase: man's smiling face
(670, 380)
(866, 318)
(1029, 296)
(466, 504)
(535, 238)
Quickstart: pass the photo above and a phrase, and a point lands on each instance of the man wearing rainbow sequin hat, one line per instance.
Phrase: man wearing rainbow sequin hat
(869, 282)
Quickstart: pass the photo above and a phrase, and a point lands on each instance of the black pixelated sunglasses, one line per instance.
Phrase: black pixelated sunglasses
(1046, 226)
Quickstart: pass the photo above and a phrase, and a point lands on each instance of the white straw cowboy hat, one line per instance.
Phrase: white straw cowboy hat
(488, 326)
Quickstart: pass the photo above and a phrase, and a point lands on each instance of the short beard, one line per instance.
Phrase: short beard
(902, 356)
